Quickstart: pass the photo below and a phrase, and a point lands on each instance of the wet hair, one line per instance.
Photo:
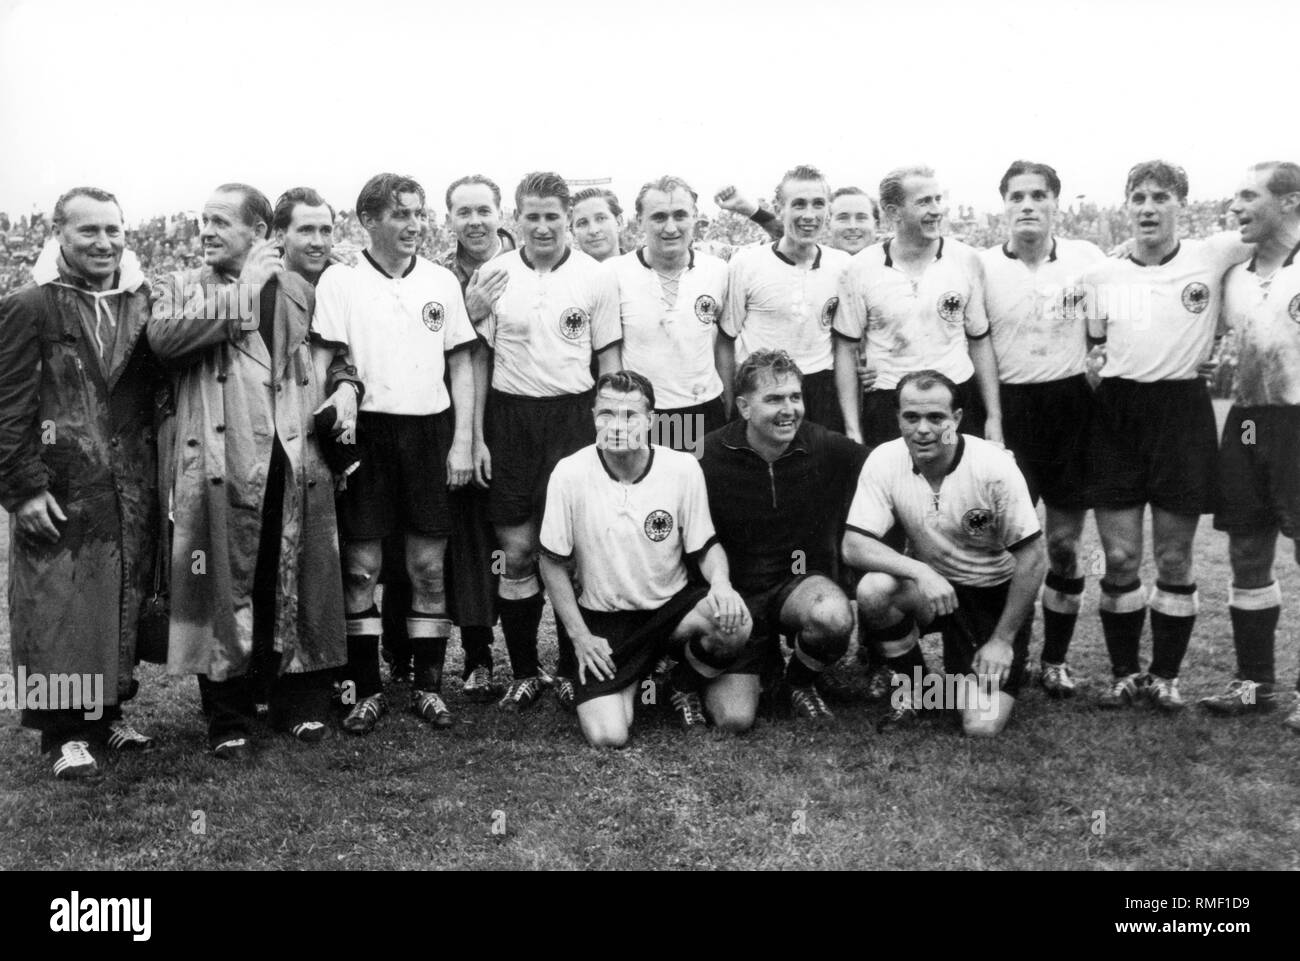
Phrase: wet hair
(892, 192)
(291, 198)
(382, 192)
(1165, 174)
(666, 184)
(925, 380)
(777, 363)
(801, 172)
(543, 184)
(1021, 167)
(628, 382)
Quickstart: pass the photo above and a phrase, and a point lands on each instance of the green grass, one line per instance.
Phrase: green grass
(1178, 793)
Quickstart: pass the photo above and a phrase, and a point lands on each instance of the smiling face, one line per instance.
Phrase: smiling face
(853, 227)
(920, 216)
(927, 421)
(475, 218)
(622, 420)
(595, 228)
(1153, 210)
(803, 208)
(774, 408)
(542, 222)
(91, 238)
(668, 221)
(1030, 207)
(397, 233)
(308, 239)
(226, 238)
(1260, 214)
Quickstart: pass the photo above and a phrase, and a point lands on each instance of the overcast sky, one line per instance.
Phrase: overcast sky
(161, 101)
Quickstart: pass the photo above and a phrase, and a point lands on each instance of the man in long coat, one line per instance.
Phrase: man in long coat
(78, 385)
(254, 559)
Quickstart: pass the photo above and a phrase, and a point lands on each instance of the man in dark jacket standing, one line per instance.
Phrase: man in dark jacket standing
(78, 475)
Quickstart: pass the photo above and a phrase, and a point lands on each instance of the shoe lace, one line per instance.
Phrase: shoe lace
(77, 752)
(688, 702)
(521, 689)
(809, 700)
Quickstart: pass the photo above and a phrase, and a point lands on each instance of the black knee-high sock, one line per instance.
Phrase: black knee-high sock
(566, 660)
(363, 652)
(1061, 597)
(428, 632)
(900, 646)
(1123, 611)
(870, 652)
(476, 642)
(697, 667)
(1255, 612)
(397, 601)
(520, 606)
(1173, 615)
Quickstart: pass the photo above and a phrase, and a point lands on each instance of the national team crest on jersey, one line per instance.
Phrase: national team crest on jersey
(658, 525)
(1196, 297)
(1293, 308)
(706, 309)
(977, 522)
(433, 315)
(828, 312)
(950, 306)
(573, 322)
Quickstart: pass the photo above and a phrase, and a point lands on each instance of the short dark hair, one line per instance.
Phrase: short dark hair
(1170, 176)
(1285, 178)
(924, 380)
(282, 216)
(892, 192)
(775, 362)
(543, 184)
(382, 192)
(601, 193)
(475, 179)
(60, 216)
(858, 192)
(253, 207)
(665, 184)
(1020, 167)
(628, 382)
(801, 172)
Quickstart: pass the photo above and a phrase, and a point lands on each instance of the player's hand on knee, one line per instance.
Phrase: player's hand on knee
(593, 654)
(936, 593)
(993, 660)
(727, 607)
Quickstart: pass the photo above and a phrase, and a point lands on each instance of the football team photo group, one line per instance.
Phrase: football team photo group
(297, 473)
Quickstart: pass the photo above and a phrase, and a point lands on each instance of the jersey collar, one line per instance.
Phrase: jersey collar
(1168, 257)
(642, 476)
(961, 449)
(889, 258)
(1006, 249)
(817, 261)
(523, 255)
(736, 437)
(375, 264)
(690, 263)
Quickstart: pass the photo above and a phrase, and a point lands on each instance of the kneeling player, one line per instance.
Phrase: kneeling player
(778, 487)
(977, 552)
(627, 514)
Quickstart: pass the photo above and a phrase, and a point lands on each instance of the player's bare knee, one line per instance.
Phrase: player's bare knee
(607, 737)
(426, 575)
(830, 619)
(719, 643)
(734, 718)
(1062, 551)
(1121, 560)
(1174, 563)
(875, 595)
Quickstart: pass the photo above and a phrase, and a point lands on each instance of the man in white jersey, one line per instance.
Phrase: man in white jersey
(627, 514)
(914, 301)
(1151, 320)
(547, 308)
(1259, 457)
(975, 560)
(784, 296)
(670, 298)
(1031, 298)
(404, 323)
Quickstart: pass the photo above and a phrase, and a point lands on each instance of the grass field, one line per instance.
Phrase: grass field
(1177, 793)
